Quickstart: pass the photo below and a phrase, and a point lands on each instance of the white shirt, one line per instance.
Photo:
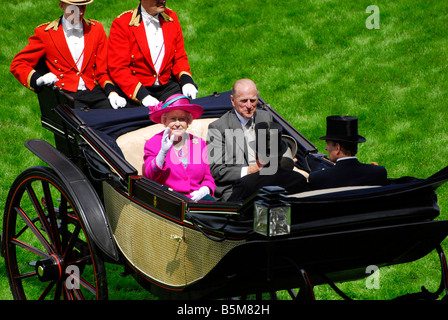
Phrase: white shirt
(74, 35)
(345, 158)
(154, 36)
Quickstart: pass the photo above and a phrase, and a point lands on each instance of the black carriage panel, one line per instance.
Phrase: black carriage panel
(270, 265)
(49, 98)
(158, 198)
(366, 207)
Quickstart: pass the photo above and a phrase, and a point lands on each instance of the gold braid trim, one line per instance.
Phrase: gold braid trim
(53, 25)
(134, 97)
(135, 20)
(28, 80)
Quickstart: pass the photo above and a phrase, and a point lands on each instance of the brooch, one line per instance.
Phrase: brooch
(195, 140)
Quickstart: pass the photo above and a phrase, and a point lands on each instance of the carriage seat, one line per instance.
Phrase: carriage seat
(132, 143)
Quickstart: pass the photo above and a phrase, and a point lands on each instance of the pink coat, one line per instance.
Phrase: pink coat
(173, 173)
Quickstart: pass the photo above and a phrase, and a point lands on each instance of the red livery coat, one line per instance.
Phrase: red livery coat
(129, 58)
(49, 42)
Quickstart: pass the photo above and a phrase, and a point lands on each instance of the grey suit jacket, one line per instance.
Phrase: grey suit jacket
(227, 150)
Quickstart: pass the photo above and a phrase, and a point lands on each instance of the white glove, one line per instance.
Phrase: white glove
(199, 194)
(149, 101)
(166, 144)
(190, 90)
(47, 79)
(116, 101)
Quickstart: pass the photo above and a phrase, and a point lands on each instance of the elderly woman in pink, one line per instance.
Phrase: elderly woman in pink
(174, 157)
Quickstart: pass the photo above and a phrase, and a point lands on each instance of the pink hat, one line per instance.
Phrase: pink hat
(175, 102)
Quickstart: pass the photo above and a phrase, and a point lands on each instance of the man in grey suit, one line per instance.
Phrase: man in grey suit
(228, 138)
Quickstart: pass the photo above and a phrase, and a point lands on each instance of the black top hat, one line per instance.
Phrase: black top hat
(343, 128)
(265, 146)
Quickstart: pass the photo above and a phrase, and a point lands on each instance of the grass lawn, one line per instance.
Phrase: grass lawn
(310, 59)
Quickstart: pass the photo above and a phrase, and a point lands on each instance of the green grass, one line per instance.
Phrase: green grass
(310, 59)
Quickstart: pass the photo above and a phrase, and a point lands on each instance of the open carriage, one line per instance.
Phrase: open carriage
(91, 206)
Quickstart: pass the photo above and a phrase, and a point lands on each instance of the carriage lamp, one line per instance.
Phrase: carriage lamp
(272, 215)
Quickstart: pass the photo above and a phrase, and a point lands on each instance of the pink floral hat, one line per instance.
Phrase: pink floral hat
(175, 102)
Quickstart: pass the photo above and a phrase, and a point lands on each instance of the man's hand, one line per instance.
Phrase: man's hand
(189, 90)
(116, 101)
(253, 168)
(47, 79)
(149, 101)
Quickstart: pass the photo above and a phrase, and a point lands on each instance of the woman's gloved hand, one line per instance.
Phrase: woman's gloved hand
(199, 194)
(165, 146)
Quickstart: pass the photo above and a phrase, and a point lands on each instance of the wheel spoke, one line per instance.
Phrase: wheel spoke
(47, 290)
(59, 291)
(33, 228)
(78, 294)
(39, 210)
(53, 229)
(26, 275)
(73, 240)
(29, 248)
(78, 279)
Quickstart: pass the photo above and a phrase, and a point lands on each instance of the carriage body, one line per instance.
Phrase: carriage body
(180, 249)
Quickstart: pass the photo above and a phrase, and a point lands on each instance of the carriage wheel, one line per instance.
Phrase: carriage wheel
(48, 254)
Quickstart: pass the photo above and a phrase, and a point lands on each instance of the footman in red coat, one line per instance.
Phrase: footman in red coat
(146, 54)
(74, 51)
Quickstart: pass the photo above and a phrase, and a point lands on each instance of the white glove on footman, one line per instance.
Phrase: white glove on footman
(149, 101)
(189, 90)
(199, 194)
(166, 144)
(116, 101)
(47, 79)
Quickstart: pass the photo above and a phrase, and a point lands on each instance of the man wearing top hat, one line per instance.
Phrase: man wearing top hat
(274, 155)
(73, 50)
(342, 146)
(146, 54)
